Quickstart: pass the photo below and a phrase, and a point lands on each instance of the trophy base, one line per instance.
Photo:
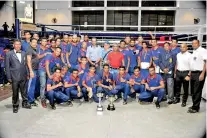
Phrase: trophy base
(111, 108)
(99, 108)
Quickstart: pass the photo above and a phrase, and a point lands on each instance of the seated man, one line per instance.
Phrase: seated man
(71, 84)
(121, 83)
(105, 81)
(136, 81)
(89, 82)
(54, 89)
(155, 85)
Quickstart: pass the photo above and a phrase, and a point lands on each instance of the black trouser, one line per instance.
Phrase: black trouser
(180, 80)
(196, 89)
(16, 86)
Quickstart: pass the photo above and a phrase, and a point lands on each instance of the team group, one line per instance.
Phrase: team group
(61, 70)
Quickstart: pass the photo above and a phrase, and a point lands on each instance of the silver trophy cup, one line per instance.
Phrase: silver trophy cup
(99, 106)
(111, 106)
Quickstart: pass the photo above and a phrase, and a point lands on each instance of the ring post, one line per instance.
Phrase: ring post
(17, 28)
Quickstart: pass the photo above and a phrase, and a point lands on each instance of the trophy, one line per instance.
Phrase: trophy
(111, 106)
(99, 106)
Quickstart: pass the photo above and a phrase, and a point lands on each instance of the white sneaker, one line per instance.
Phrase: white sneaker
(1, 85)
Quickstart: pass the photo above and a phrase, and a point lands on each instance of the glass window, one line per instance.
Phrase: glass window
(158, 3)
(160, 18)
(134, 3)
(89, 18)
(88, 3)
(126, 18)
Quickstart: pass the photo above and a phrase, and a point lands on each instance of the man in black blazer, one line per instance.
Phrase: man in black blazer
(17, 75)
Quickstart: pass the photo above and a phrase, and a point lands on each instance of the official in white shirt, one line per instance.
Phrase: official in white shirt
(198, 69)
(182, 74)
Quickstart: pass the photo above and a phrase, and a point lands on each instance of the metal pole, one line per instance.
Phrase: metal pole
(17, 27)
(43, 29)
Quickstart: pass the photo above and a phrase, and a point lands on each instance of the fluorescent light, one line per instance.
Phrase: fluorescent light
(22, 2)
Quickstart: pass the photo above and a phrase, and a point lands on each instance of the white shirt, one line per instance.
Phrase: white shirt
(93, 53)
(183, 61)
(19, 56)
(197, 59)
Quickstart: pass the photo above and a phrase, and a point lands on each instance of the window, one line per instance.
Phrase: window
(88, 3)
(157, 18)
(89, 18)
(158, 3)
(123, 3)
(122, 18)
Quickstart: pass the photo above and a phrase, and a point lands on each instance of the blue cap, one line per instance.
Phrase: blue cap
(106, 42)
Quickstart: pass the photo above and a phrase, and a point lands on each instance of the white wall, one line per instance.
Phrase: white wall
(7, 14)
(187, 11)
(46, 11)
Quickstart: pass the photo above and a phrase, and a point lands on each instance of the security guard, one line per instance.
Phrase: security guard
(54, 89)
(105, 82)
(145, 60)
(72, 87)
(136, 81)
(198, 70)
(155, 85)
(121, 83)
(89, 83)
(167, 63)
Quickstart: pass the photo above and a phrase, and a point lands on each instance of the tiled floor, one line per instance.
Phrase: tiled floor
(81, 121)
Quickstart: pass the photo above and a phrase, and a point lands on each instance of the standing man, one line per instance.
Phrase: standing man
(182, 74)
(64, 47)
(72, 53)
(94, 54)
(167, 64)
(17, 75)
(32, 64)
(82, 51)
(133, 55)
(2, 56)
(105, 52)
(156, 51)
(127, 40)
(42, 52)
(125, 52)
(198, 69)
(175, 50)
(36, 36)
(115, 59)
(5, 26)
(26, 42)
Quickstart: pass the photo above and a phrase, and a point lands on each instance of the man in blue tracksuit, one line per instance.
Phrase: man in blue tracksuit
(125, 52)
(26, 42)
(133, 55)
(167, 63)
(89, 83)
(105, 82)
(136, 82)
(156, 52)
(155, 85)
(55, 89)
(174, 49)
(64, 46)
(121, 83)
(72, 53)
(72, 87)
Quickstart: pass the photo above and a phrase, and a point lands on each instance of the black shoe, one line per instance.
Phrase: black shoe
(26, 105)
(34, 104)
(53, 107)
(193, 111)
(176, 101)
(189, 108)
(15, 109)
(70, 103)
(183, 104)
(124, 102)
(170, 102)
(164, 98)
(157, 105)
